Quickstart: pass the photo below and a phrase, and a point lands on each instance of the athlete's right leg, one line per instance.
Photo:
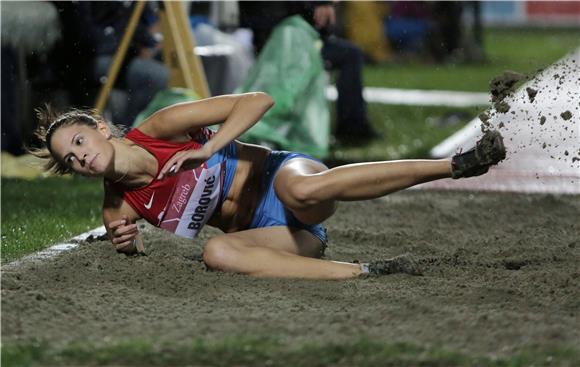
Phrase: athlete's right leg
(280, 252)
(307, 189)
(283, 252)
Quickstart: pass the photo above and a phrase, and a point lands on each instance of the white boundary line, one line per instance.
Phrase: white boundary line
(55, 250)
(418, 97)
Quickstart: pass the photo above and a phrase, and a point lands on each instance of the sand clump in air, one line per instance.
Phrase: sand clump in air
(521, 110)
(502, 86)
(542, 120)
(566, 115)
(531, 93)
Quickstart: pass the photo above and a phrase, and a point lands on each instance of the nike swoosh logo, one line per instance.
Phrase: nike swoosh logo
(148, 205)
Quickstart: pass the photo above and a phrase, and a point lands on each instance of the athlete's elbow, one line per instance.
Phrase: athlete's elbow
(270, 101)
(265, 99)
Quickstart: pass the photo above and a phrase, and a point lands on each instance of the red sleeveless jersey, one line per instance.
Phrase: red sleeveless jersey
(180, 203)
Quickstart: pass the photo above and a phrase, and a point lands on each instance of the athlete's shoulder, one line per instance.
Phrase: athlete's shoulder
(153, 128)
(138, 134)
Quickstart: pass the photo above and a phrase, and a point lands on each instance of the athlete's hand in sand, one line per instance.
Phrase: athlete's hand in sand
(124, 234)
(184, 160)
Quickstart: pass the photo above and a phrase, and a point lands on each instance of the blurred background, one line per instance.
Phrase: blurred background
(353, 81)
(60, 52)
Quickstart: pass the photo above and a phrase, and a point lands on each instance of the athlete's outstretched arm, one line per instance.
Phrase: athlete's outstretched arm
(179, 122)
(237, 113)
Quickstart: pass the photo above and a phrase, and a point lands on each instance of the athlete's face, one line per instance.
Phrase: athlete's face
(85, 149)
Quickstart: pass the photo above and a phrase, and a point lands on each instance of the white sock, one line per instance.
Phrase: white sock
(364, 268)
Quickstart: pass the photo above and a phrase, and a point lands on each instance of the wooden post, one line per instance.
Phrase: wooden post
(119, 57)
(185, 68)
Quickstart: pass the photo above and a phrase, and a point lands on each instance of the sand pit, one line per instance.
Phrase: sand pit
(501, 274)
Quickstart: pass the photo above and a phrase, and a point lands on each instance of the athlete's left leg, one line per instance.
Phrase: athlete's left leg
(310, 189)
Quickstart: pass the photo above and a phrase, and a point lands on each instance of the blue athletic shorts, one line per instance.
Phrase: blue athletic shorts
(270, 210)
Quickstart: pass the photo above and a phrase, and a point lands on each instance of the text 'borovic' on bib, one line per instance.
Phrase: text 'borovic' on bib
(193, 201)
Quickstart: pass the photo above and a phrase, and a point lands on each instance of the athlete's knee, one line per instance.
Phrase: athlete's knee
(303, 192)
(219, 253)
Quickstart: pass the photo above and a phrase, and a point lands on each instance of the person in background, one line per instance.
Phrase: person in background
(435, 31)
(352, 124)
(446, 33)
(11, 132)
(407, 26)
(363, 25)
(79, 42)
(29, 31)
(142, 74)
(91, 34)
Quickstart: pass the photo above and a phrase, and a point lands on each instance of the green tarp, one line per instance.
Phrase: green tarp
(290, 69)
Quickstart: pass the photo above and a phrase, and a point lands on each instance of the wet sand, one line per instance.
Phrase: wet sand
(501, 273)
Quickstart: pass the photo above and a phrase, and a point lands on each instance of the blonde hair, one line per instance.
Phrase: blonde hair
(50, 120)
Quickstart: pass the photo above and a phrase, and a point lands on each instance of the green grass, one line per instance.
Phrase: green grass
(240, 351)
(38, 213)
(407, 132)
(523, 50)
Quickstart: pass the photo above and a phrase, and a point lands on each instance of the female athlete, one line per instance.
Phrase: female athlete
(179, 175)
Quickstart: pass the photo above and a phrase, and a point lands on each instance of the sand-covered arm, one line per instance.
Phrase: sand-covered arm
(120, 221)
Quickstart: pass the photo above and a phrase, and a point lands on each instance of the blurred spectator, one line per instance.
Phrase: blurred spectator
(408, 25)
(92, 32)
(72, 59)
(436, 30)
(21, 43)
(11, 132)
(364, 26)
(142, 75)
(445, 36)
(473, 35)
(338, 54)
